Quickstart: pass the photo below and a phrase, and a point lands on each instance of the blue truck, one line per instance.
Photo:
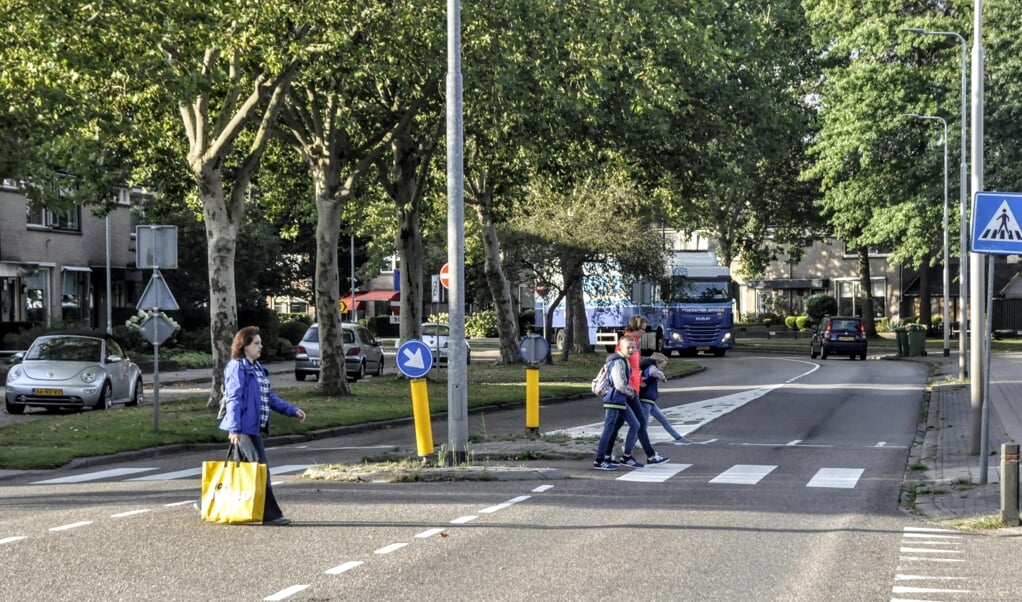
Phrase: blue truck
(690, 310)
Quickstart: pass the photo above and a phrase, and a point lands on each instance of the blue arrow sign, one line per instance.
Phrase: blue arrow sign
(414, 359)
(995, 223)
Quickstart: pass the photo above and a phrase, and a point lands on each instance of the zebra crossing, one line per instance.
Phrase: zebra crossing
(119, 473)
(747, 474)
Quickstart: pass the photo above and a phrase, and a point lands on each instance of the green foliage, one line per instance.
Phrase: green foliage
(884, 325)
(789, 322)
(187, 358)
(820, 305)
(802, 322)
(293, 330)
(481, 324)
(767, 322)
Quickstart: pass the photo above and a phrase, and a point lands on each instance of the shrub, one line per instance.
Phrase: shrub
(767, 322)
(293, 330)
(820, 305)
(789, 322)
(802, 322)
(195, 340)
(481, 324)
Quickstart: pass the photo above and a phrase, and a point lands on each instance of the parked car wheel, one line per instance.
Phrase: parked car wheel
(823, 352)
(14, 408)
(138, 395)
(300, 376)
(106, 398)
(360, 374)
(813, 353)
(379, 368)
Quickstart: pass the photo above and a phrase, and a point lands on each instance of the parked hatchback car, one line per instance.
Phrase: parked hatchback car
(362, 352)
(839, 335)
(70, 370)
(438, 338)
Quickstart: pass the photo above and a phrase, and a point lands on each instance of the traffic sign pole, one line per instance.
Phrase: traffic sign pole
(420, 411)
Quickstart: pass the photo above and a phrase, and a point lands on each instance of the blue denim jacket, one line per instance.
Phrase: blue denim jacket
(243, 398)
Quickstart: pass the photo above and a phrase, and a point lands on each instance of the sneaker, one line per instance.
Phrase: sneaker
(656, 459)
(630, 462)
(604, 465)
(613, 460)
(280, 521)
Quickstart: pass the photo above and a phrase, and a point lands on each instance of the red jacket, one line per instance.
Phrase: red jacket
(635, 378)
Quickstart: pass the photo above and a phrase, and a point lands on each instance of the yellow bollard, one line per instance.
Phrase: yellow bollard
(420, 411)
(532, 398)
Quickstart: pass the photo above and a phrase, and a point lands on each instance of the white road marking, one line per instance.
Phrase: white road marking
(285, 593)
(463, 519)
(12, 539)
(429, 533)
(341, 568)
(880, 444)
(744, 474)
(542, 488)
(71, 526)
(391, 548)
(928, 530)
(288, 468)
(901, 589)
(510, 502)
(794, 442)
(167, 476)
(900, 577)
(171, 505)
(93, 476)
(654, 473)
(922, 559)
(905, 550)
(130, 513)
(931, 536)
(836, 478)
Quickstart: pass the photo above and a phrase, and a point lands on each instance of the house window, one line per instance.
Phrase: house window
(37, 296)
(849, 301)
(75, 303)
(55, 219)
(391, 264)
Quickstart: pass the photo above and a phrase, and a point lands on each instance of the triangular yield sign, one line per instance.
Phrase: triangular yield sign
(157, 296)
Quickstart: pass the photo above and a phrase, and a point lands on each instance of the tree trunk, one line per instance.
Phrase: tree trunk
(925, 303)
(332, 375)
(222, 224)
(866, 289)
(500, 289)
(403, 183)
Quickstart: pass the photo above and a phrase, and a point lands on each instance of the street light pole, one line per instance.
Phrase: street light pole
(947, 263)
(963, 193)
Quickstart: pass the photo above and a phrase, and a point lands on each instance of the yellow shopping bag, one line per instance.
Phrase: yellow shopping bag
(233, 491)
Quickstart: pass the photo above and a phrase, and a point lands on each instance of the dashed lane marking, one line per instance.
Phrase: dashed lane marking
(838, 478)
(654, 473)
(744, 474)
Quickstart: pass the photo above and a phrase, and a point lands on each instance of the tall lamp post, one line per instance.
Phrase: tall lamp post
(947, 263)
(963, 262)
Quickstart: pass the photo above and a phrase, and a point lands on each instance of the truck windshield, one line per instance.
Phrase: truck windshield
(686, 289)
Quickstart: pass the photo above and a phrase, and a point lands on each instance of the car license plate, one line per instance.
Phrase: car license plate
(49, 392)
(704, 348)
(846, 338)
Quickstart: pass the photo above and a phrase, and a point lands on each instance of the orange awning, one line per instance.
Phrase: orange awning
(371, 296)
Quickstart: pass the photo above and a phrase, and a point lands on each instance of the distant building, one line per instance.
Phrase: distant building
(53, 264)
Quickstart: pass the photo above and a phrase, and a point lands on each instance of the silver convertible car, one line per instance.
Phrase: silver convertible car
(73, 371)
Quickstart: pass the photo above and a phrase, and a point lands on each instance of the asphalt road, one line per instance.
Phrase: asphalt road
(789, 493)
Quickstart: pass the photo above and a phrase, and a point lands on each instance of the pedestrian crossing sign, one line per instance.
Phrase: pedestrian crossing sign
(995, 227)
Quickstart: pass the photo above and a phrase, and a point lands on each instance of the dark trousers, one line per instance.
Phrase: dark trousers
(271, 510)
(640, 432)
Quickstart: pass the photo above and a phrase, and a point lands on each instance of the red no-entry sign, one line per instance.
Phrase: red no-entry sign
(445, 275)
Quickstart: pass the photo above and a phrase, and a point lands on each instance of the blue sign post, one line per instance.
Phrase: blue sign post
(414, 359)
(995, 223)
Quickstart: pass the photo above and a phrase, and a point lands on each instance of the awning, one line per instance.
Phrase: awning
(75, 268)
(371, 296)
(791, 283)
(17, 269)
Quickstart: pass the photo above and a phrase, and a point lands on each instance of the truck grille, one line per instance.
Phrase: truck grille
(702, 335)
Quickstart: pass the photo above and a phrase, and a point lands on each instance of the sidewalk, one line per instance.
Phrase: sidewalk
(949, 488)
